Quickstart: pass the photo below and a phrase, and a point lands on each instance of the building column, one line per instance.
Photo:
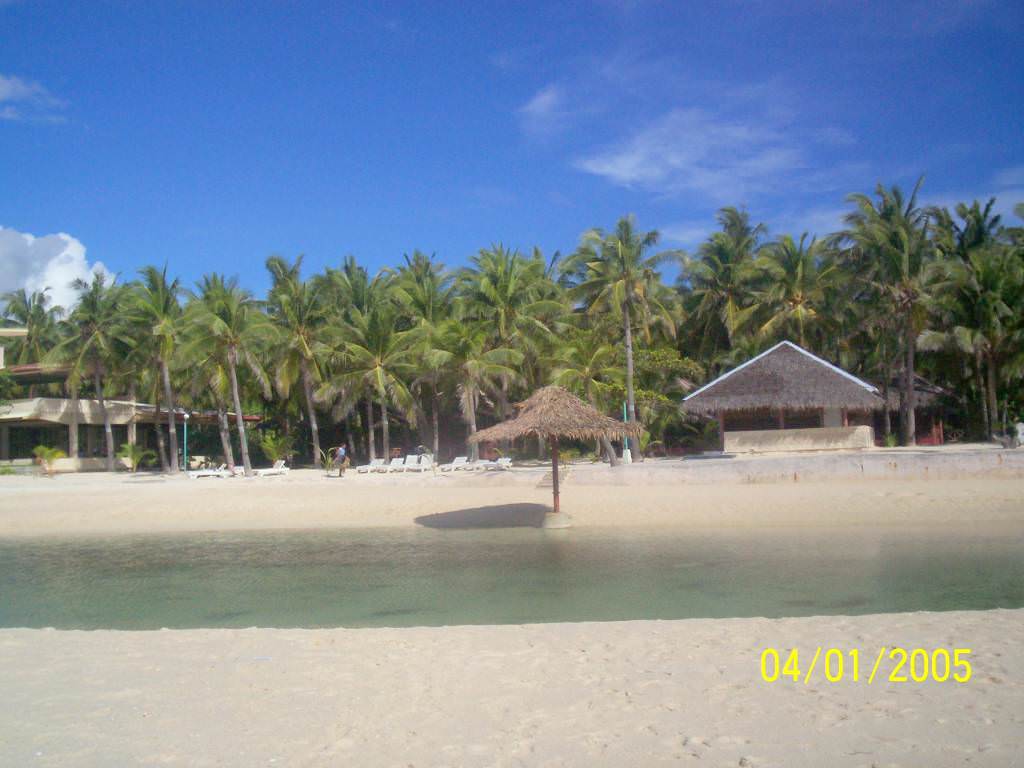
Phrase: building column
(5, 442)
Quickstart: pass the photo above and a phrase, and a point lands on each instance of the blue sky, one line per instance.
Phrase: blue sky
(210, 135)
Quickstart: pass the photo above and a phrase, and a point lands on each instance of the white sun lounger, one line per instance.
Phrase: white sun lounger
(278, 469)
(373, 466)
(503, 463)
(396, 465)
(460, 462)
(425, 464)
(221, 471)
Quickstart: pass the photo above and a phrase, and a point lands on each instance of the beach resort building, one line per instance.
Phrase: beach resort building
(787, 399)
(75, 425)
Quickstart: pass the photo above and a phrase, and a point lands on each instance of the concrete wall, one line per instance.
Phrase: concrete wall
(820, 439)
(87, 465)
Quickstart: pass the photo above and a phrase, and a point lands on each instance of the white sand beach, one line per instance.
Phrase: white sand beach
(602, 694)
(593, 495)
(589, 694)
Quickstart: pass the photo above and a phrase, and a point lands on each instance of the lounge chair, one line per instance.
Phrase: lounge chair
(426, 463)
(481, 464)
(373, 466)
(459, 462)
(503, 463)
(278, 469)
(221, 471)
(396, 465)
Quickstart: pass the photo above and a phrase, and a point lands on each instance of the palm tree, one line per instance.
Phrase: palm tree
(589, 366)
(296, 308)
(717, 284)
(34, 312)
(377, 359)
(978, 299)
(514, 296)
(352, 296)
(94, 342)
(227, 322)
(424, 291)
(891, 239)
(153, 304)
(476, 366)
(797, 281)
(612, 273)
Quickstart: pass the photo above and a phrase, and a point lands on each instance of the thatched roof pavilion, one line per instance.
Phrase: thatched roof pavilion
(783, 388)
(783, 377)
(552, 413)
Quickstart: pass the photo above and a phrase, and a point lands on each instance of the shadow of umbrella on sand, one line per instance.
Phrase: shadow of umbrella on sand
(552, 413)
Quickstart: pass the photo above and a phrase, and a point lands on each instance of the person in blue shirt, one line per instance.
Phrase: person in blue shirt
(341, 460)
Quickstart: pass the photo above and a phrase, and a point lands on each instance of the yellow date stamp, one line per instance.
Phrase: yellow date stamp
(890, 664)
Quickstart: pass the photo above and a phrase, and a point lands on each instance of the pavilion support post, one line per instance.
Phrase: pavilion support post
(846, 418)
(721, 431)
(782, 419)
(554, 473)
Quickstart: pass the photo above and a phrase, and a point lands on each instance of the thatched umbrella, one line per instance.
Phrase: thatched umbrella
(551, 413)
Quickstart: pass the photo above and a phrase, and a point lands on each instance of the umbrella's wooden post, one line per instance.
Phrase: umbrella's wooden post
(554, 471)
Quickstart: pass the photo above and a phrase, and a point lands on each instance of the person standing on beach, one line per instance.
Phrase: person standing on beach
(341, 459)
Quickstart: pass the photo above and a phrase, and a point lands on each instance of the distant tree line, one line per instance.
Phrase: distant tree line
(403, 355)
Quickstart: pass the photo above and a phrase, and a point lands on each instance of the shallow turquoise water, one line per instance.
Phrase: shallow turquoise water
(426, 576)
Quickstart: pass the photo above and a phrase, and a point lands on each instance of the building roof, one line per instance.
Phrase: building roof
(927, 393)
(785, 376)
(38, 373)
(554, 412)
(58, 410)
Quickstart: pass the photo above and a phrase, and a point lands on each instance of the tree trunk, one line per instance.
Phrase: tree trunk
(474, 448)
(435, 424)
(132, 427)
(385, 434)
(886, 419)
(172, 420)
(554, 475)
(604, 442)
(909, 395)
(979, 378)
(371, 441)
(540, 448)
(243, 440)
(73, 426)
(108, 430)
(225, 435)
(307, 388)
(161, 449)
(609, 451)
(627, 327)
(993, 404)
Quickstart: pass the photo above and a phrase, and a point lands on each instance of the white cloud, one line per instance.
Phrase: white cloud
(34, 263)
(693, 150)
(546, 112)
(1009, 177)
(22, 99)
(688, 233)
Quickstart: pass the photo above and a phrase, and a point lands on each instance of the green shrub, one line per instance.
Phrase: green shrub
(135, 455)
(47, 457)
(276, 445)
